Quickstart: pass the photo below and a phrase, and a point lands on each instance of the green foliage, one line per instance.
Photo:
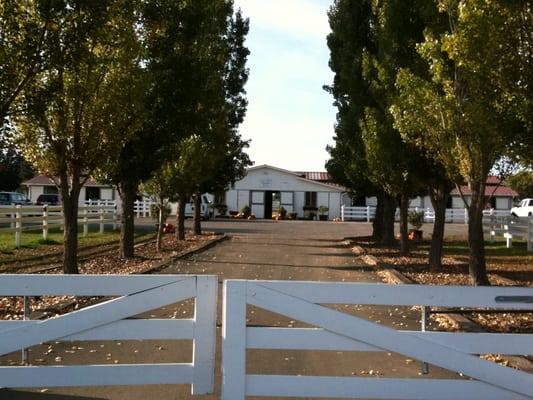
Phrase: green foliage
(14, 169)
(416, 219)
(323, 210)
(24, 27)
(282, 212)
(522, 183)
(87, 75)
(154, 211)
(246, 211)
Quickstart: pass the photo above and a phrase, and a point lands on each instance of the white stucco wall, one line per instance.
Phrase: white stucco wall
(34, 192)
(292, 188)
(106, 194)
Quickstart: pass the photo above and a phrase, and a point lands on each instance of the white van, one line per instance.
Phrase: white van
(206, 211)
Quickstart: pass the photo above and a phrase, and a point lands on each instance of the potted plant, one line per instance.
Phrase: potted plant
(282, 213)
(246, 211)
(322, 210)
(415, 219)
(310, 212)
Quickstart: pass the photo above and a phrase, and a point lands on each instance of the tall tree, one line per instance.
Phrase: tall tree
(72, 109)
(14, 169)
(24, 29)
(460, 114)
(522, 183)
(350, 39)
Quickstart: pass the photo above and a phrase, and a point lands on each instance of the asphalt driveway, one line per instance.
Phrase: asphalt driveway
(286, 250)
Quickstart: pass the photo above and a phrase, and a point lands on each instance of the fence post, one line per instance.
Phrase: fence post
(492, 227)
(136, 208)
(424, 367)
(342, 213)
(530, 233)
(85, 221)
(205, 317)
(234, 341)
(102, 210)
(13, 217)
(45, 222)
(466, 216)
(18, 226)
(367, 213)
(27, 313)
(115, 217)
(508, 236)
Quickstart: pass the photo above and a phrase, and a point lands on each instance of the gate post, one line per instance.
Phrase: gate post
(18, 226)
(342, 213)
(205, 318)
(234, 341)
(45, 222)
(367, 213)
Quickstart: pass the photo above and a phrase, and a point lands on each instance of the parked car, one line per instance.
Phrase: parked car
(524, 209)
(8, 198)
(48, 200)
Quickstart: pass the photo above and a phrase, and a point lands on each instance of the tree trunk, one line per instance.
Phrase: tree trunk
(160, 222)
(404, 234)
(128, 192)
(197, 224)
(180, 219)
(377, 224)
(70, 234)
(387, 229)
(439, 199)
(476, 242)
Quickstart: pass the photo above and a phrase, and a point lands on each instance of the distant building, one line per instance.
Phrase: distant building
(497, 194)
(266, 188)
(92, 190)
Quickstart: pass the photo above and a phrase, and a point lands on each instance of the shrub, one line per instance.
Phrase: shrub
(246, 211)
(323, 209)
(415, 219)
(282, 212)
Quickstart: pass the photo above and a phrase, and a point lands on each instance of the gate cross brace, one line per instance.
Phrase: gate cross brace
(95, 316)
(389, 339)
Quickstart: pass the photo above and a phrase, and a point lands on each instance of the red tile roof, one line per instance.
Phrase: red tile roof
(490, 190)
(316, 176)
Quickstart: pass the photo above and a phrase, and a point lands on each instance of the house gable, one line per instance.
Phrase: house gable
(265, 177)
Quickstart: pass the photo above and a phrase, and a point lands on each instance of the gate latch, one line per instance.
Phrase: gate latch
(514, 299)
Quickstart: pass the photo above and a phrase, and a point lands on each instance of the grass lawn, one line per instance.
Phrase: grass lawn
(34, 239)
(496, 249)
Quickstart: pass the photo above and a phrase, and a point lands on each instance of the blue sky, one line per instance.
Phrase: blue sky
(290, 118)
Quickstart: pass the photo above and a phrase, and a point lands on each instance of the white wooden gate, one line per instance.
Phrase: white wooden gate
(342, 332)
(109, 321)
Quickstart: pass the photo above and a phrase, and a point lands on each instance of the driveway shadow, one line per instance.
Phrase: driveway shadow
(8, 394)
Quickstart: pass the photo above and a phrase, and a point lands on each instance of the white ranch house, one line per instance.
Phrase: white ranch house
(92, 190)
(266, 188)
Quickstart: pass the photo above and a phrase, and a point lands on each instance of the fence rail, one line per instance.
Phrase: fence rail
(510, 228)
(115, 319)
(457, 215)
(336, 331)
(18, 219)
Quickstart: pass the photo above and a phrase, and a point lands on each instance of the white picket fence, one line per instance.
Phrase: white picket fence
(18, 219)
(337, 331)
(142, 208)
(114, 319)
(455, 215)
(510, 228)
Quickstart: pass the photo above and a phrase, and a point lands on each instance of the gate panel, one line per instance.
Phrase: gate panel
(340, 331)
(108, 321)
